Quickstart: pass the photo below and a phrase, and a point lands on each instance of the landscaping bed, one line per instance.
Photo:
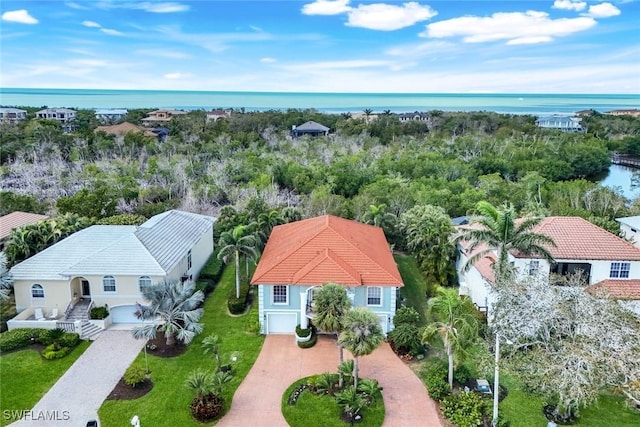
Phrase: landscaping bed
(123, 391)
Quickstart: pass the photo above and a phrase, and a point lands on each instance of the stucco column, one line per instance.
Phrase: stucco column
(303, 309)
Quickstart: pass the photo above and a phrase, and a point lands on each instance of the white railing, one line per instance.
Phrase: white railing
(66, 326)
(88, 312)
(68, 309)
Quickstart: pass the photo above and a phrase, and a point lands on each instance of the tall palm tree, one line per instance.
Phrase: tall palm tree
(455, 323)
(377, 215)
(501, 232)
(330, 305)
(361, 335)
(235, 243)
(174, 308)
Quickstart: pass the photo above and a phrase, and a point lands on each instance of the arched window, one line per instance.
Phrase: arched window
(109, 284)
(143, 282)
(37, 291)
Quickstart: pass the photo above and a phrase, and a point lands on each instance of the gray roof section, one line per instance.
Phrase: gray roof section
(151, 249)
(169, 236)
(630, 221)
(312, 126)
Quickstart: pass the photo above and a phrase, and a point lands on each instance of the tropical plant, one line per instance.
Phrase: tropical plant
(134, 375)
(6, 279)
(330, 304)
(501, 232)
(350, 401)
(345, 371)
(406, 331)
(219, 380)
(455, 323)
(377, 215)
(370, 388)
(235, 243)
(175, 310)
(361, 335)
(211, 345)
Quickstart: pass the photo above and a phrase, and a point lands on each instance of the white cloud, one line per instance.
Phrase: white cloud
(111, 32)
(20, 16)
(326, 7)
(169, 7)
(514, 27)
(268, 60)
(386, 17)
(175, 76)
(163, 53)
(602, 10)
(91, 24)
(576, 5)
(76, 6)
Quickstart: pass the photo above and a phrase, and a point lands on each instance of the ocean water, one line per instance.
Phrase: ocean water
(326, 102)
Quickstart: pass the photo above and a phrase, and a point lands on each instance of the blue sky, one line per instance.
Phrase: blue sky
(561, 46)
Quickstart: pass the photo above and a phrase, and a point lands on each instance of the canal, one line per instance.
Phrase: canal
(620, 176)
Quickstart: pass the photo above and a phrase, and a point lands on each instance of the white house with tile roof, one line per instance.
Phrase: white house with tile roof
(607, 261)
(107, 264)
(630, 229)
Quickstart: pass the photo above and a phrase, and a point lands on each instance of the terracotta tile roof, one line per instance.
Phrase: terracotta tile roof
(485, 268)
(618, 288)
(578, 239)
(120, 129)
(327, 249)
(17, 219)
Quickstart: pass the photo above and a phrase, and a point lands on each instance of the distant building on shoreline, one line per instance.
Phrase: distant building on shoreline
(309, 128)
(215, 115)
(12, 116)
(161, 117)
(561, 123)
(65, 116)
(632, 112)
(416, 116)
(110, 115)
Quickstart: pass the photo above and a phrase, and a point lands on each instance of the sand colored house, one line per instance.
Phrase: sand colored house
(304, 255)
(14, 220)
(108, 265)
(607, 261)
(161, 117)
(124, 128)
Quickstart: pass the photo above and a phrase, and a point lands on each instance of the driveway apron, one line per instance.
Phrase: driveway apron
(79, 393)
(257, 401)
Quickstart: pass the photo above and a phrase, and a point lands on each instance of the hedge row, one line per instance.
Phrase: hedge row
(210, 274)
(19, 338)
(238, 305)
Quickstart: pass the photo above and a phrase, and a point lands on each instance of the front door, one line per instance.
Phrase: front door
(86, 289)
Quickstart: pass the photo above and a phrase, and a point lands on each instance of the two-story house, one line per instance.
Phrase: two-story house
(605, 260)
(64, 116)
(161, 117)
(561, 123)
(110, 115)
(12, 116)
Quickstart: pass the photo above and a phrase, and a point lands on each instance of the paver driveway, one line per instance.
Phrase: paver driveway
(87, 383)
(281, 362)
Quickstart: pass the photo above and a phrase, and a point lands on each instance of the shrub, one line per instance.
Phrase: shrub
(303, 333)
(212, 270)
(51, 336)
(54, 351)
(308, 344)
(237, 305)
(207, 408)
(370, 389)
(123, 219)
(19, 338)
(7, 311)
(434, 376)
(461, 374)
(406, 337)
(99, 313)
(69, 339)
(253, 326)
(205, 286)
(463, 409)
(134, 375)
(406, 316)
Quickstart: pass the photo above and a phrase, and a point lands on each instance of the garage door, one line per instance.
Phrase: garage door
(281, 323)
(124, 314)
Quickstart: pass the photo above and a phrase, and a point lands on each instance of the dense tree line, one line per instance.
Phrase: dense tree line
(452, 161)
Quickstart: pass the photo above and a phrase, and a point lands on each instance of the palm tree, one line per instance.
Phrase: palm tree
(235, 243)
(377, 215)
(6, 280)
(330, 305)
(361, 335)
(501, 232)
(174, 308)
(201, 382)
(455, 323)
(211, 344)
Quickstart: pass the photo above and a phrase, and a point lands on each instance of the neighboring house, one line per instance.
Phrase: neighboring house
(111, 115)
(64, 116)
(562, 123)
(630, 229)
(415, 116)
(631, 112)
(215, 115)
(14, 220)
(122, 129)
(161, 117)
(585, 113)
(12, 116)
(304, 255)
(606, 260)
(309, 128)
(108, 264)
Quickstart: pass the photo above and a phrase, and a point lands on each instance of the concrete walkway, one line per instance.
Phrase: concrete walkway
(79, 393)
(257, 401)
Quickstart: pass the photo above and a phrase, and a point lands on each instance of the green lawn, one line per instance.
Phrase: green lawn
(524, 410)
(26, 377)
(168, 402)
(312, 410)
(415, 286)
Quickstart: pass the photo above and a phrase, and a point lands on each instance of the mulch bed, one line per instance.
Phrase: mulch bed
(158, 347)
(122, 391)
